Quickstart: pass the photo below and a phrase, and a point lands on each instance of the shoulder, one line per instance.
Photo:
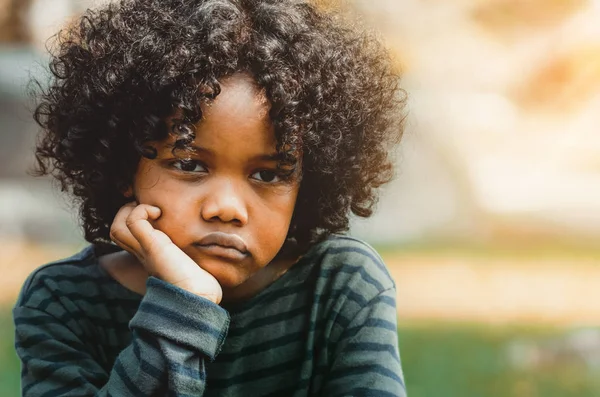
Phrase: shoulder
(351, 265)
(60, 278)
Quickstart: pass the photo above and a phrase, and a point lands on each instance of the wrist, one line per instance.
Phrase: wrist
(214, 296)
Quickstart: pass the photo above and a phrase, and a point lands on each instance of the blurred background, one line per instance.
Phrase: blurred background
(492, 226)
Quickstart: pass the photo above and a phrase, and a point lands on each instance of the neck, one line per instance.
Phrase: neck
(260, 280)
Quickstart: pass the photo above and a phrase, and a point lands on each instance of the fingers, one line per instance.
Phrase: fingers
(133, 230)
(120, 233)
(138, 223)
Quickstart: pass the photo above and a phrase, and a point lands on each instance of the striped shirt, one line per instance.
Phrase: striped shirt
(326, 327)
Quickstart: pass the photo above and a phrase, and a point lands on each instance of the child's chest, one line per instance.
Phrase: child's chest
(279, 353)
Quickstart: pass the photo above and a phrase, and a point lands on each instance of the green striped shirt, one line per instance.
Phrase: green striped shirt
(327, 327)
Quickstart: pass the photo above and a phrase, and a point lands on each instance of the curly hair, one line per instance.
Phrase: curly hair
(123, 69)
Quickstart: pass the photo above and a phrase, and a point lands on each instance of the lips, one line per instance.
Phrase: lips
(223, 245)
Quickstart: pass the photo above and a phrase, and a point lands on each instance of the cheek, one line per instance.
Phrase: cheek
(176, 206)
(276, 217)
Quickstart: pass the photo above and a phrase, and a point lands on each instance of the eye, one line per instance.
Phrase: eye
(189, 166)
(268, 176)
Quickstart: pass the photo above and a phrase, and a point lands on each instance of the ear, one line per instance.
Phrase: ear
(128, 192)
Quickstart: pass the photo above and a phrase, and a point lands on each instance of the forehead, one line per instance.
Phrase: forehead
(241, 105)
(237, 120)
(239, 95)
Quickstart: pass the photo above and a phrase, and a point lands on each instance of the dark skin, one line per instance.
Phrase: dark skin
(228, 185)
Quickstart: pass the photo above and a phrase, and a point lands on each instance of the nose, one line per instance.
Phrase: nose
(224, 203)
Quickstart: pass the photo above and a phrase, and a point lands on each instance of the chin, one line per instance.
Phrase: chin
(230, 281)
(229, 275)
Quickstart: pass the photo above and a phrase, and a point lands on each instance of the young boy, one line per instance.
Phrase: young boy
(220, 145)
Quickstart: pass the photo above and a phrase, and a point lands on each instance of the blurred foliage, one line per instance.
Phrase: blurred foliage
(472, 361)
(510, 15)
(564, 249)
(13, 27)
(10, 371)
(565, 82)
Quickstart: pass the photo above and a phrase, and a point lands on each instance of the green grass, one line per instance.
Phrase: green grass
(474, 361)
(439, 360)
(10, 371)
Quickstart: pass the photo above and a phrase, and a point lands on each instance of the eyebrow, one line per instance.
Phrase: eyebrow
(202, 150)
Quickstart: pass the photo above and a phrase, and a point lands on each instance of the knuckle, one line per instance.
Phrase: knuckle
(130, 221)
(133, 217)
(113, 231)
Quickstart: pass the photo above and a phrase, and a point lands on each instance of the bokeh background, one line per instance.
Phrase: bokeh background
(492, 226)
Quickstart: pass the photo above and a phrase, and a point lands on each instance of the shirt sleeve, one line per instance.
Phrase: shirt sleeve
(174, 332)
(366, 359)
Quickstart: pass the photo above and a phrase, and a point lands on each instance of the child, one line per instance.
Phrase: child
(220, 145)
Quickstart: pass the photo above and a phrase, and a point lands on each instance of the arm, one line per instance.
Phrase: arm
(366, 361)
(174, 332)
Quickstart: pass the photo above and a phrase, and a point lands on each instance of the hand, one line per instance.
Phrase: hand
(132, 230)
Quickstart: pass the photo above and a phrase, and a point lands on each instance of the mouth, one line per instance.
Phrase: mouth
(223, 245)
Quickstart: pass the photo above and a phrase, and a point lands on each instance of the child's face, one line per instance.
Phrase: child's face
(228, 184)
